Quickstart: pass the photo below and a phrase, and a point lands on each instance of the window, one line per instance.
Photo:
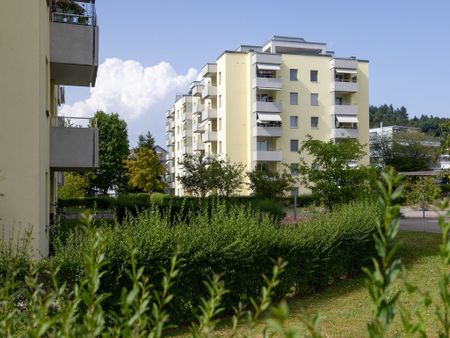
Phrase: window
(220, 147)
(220, 78)
(314, 122)
(294, 121)
(294, 98)
(294, 169)
(220, 101)
(339, 100)
(293, 74)
(220, 124)
(294, 145)
(314, 76)
(314, 99)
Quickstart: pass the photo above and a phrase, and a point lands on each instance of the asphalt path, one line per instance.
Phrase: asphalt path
(413, 220)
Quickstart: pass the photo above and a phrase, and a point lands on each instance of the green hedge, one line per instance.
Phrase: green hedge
(237, 242)
(177, 206)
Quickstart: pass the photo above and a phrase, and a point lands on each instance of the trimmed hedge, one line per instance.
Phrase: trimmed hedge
(237, 242)
(131, 204)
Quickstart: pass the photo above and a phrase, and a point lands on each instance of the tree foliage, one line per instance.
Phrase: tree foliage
(388, 115)
(330, 174)
(75, 186)
(203, 175)
(113, 150)
(412, 151)
(145, 171)
(266, 183)
(146, 141)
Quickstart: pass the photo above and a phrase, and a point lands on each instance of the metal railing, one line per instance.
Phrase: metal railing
(74, 12)
(345, 80)
(68, 122)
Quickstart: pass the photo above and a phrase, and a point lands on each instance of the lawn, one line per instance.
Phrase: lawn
(344, 307)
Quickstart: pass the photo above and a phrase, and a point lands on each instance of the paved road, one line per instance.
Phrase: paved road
(413, 221)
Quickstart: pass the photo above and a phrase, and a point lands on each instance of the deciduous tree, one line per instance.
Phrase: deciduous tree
(145, 171)
(265, 183)
(113, 150)
(330, 174)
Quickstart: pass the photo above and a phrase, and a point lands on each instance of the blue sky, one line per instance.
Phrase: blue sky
(406, 42)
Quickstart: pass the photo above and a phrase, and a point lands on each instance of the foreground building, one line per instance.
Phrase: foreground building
(44, 46)
(257, 104)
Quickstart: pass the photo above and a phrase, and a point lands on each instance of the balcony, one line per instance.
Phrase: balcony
(268, 131)
(210, 69)
(198, 127)
(344, 133)
(186, 116)
(266, 58)
(73, 147)
(198, 146)
(267, 83)
(186, 133)
(344, 63)
(74, 45)
(209, 114)
(209, 91)
(269, 107)
(345, 109)
(172, 124)
(196, 89)
(268, 155)
(186, 150)
(209, 136)
(344, 86)
(197, 108)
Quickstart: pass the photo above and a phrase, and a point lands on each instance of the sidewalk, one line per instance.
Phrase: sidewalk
(412, 220)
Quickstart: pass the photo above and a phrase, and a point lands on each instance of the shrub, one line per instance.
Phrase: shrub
(237, 242)
(160, 199)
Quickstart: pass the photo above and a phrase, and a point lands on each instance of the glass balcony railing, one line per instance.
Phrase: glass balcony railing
(74, 12)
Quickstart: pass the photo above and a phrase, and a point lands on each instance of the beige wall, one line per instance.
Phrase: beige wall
(24, 125)
(235, 75)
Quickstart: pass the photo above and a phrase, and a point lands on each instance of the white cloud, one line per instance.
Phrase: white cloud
(132, 90)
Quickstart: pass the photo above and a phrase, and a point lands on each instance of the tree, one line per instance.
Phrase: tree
(75, 186)
(388, 115)
(230, 177)
(265, 183)
(145, 171)
(203, 175)
(412, 151)
(113, 150)
(330, 174)
(146, 141)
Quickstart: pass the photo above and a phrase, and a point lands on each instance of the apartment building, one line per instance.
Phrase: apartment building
(256, 105)
(45, 45)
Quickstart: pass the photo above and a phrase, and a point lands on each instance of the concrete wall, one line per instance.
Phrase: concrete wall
(24, 120)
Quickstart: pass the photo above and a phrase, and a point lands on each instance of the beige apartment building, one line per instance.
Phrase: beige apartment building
(257, 104)
(44, 45)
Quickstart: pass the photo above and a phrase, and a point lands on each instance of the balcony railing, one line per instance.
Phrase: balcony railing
(74, 12)
(268, 155)
(344, 109)
(344, 133)
(73, 144)
(74, 43)
(209, 114)
(268, 131)
(269, 107)
(210, 136)
(267, 83)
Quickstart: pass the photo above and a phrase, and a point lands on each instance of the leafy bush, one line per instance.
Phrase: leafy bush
(236, 241)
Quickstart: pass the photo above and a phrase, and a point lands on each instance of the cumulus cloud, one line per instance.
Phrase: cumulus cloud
(130, 89)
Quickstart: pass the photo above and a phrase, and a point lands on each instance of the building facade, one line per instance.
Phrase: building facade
(257, 104)
(44, 46)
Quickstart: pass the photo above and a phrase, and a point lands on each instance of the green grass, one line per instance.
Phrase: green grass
(345, 307)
